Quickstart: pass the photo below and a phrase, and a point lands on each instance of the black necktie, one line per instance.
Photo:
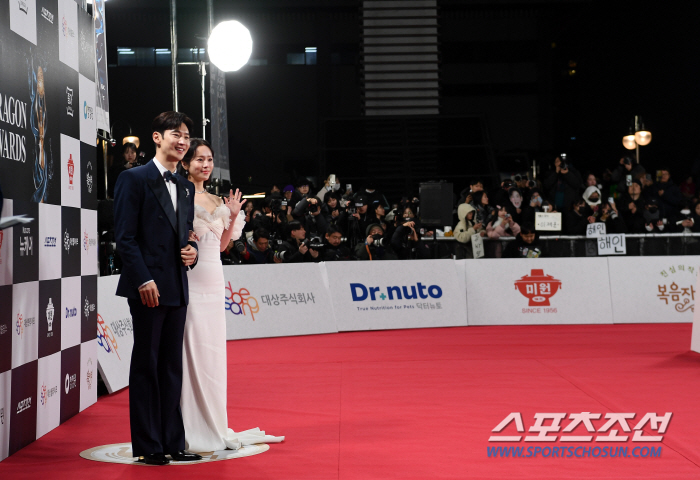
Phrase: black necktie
(169, 176)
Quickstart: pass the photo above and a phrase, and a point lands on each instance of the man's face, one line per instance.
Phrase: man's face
(376, 231)
(288, 194)
(173, 143)
(299, 234)
(528, 237)
(665, 176)
(634, 189)
(362, 210)
(477, 187)
(334, 238)
(262, 244)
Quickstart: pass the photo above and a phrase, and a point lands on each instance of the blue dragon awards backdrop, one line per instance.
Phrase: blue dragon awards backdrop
(48, 268)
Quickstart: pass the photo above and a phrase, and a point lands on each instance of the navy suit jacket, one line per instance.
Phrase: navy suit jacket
(150, 234)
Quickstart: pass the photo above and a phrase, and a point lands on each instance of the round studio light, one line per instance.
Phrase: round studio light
(629, 142)
(642, 137)
(230, 46)
(131, 139)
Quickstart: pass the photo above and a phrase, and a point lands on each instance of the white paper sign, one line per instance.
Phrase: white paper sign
(596, 229)
(397, 294)
(477, 246)
(653, 289)
(612, 244)
(540, 291)
(548, 221)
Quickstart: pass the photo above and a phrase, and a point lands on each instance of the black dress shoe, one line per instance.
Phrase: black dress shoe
(185, 456)
(155, 459)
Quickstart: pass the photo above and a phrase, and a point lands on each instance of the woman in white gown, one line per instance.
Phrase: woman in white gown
(203, 400)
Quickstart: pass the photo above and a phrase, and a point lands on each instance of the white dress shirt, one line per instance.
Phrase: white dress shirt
(172, 187)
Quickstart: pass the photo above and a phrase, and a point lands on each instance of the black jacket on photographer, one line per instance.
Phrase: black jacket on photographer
(562, 188)
(313, 224)
(289, 252)
(371, 251)
(339, 253)
(405, 247)
(249, 253)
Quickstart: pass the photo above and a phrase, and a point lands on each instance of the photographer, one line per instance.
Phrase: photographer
(332, 211)
(296, 248)
(308, 212)
(406, 242)
(626, 172)
(334, 248)
(375, 246)
(358, 219)
(562, 184)
(256, 250)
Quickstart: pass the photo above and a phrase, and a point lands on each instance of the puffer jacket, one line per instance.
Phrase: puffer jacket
(465, 228)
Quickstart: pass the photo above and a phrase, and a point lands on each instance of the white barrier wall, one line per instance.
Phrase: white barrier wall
(656, 290)
(538, 291)
(115, 335)
(302, 299)
(397, 294)
(695, 339)
(277, 300)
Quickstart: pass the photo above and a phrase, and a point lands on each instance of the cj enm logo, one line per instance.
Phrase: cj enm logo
(360, 292)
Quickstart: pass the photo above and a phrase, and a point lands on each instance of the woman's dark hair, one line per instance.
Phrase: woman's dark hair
(527, 227)
(329, 195)
(184, 165)
(130, 146)
(171, 121)
(476, 197)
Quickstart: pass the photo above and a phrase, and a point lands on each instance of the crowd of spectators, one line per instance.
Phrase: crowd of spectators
(294, 224)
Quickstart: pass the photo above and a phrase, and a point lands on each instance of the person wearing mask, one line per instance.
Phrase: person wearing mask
(577, 219)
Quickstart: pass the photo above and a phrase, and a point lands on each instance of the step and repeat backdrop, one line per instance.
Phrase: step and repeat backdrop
(304, 299)
(48, 268)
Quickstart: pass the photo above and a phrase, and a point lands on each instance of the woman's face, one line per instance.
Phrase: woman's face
(591, 181)
(380, 210)
(332, 202)
(484, 199)
(130, 155)
(697, 209)
(201, 164)
(408, 213)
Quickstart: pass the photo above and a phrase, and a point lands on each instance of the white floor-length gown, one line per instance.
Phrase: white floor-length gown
(204, 381)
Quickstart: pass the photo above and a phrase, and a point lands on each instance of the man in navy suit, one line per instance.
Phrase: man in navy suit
(153, 214)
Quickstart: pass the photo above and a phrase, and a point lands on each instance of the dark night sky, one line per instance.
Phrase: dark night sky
(631, 59)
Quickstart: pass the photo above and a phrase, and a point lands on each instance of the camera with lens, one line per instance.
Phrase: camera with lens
(518, 178)
(240, 246)
(312, 207)
(531, 184)
(351, 210)
(379, 240)
(277, 204)
(314, 242)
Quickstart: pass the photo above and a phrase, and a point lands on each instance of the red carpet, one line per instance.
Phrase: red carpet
(421, 404)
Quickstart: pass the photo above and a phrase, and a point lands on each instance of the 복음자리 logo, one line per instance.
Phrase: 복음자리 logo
(680, 293)
(538, 288)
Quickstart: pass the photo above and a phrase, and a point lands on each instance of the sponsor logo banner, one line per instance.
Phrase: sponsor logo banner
(50, 317)
(68, 47)
(6, 327)
(88, 313)
(256, 307)
(102, 95)
(88, 243)
(70, 167)
(88, 374)
(23, 19)
(89, 176)
(25, 243)
(5, 402)
(667, 286)
(71, 312)
(71, 242)
(385, 295)
(70, 383)
(48, 394)
(25, 326)
(50, 241)
(115, 334)
(88, 128)
(542, 291)
(22, 409)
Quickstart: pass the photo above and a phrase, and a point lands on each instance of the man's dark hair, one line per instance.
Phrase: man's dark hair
(332, 229)
(261, 233)
(171, 121)
(293, 226)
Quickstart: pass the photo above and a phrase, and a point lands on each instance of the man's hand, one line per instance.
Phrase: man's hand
(313, 253)
(468, 199)
(188, 255)
(687, 223)
(633, 207)
(369, 240)
(149, 294)
(356, 215)
(661, 192)
(303, 249)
